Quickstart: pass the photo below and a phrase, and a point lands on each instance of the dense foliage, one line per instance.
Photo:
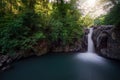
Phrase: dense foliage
(99, 20)
(87, 21)
(112, 18)
(24, 22)
(109, 19)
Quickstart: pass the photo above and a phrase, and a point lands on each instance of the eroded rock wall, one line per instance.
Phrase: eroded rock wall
(105, 41)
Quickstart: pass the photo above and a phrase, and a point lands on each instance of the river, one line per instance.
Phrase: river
(62, 66)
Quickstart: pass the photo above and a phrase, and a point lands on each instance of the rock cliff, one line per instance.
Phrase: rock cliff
(105, 41)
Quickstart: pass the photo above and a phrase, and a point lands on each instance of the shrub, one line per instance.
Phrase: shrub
(15, 35)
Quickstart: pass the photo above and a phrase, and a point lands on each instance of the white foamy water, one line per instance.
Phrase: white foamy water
(90, 55)
(90, 41)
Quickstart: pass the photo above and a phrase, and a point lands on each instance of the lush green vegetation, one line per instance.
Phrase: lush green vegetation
(109, 19)
(112, 18)
(24, 22)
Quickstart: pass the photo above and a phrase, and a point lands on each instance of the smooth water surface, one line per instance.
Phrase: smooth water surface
(64, 67)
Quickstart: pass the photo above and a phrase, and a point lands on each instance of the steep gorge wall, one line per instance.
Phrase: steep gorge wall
(105, 41)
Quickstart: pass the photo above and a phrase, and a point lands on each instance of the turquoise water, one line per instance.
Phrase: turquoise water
(76, 66)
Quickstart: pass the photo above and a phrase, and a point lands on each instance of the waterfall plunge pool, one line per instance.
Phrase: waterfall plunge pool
(77, 66)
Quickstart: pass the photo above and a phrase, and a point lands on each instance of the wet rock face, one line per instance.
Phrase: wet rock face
(5, 62)
(105, 41)
(78, 46)
(100, 37)
(41, 48)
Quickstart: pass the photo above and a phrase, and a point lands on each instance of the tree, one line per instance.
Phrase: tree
(113, 16)
(23, 23)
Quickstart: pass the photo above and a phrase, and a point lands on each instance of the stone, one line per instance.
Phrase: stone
(3, 58)
(5, 62)
(5, 68)
(41, 48)
(1, 64)
(105, 41)
(9, 61)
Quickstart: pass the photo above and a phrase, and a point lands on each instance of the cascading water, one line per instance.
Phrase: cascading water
(90, 42)
(90, 55)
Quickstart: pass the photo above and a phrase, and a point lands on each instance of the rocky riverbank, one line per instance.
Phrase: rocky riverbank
(43, 47)
(105, 41)
(5, 62)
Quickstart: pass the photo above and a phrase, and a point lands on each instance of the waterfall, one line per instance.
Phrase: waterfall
(90, 55)
(90, 41)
